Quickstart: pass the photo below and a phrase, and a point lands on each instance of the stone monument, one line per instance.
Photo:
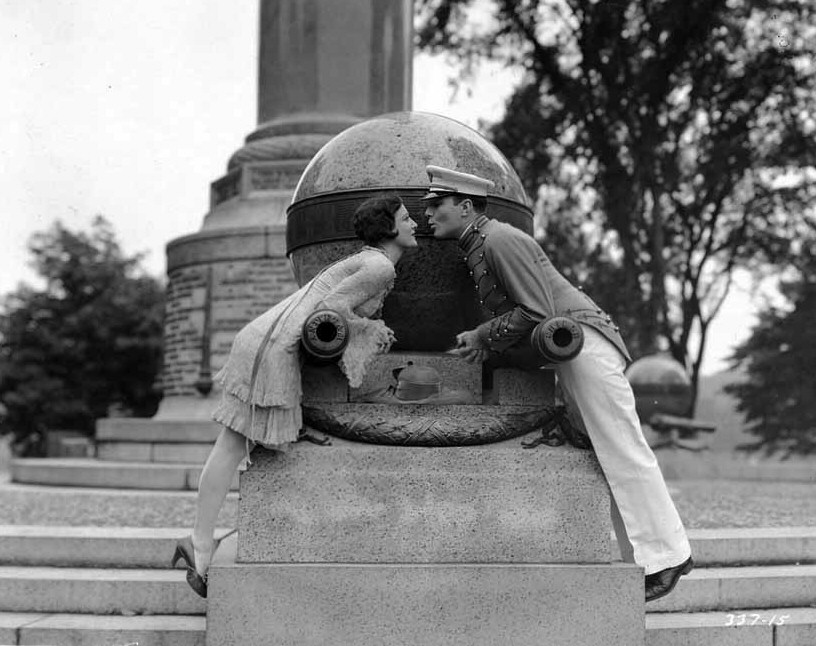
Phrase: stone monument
(420, 523)
(314, 81)
(323, 66)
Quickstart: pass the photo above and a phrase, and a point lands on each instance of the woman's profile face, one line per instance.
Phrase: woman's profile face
(405, 227)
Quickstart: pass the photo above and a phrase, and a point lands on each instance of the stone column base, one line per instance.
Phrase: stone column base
(441, 604)
(360, 544)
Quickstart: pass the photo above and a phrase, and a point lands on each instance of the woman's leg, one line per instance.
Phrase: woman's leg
(216, 477)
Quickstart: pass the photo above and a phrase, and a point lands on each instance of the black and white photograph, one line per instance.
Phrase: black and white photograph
(408, 323)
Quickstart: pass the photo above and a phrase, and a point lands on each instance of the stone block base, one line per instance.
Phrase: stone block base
(425, 605)
(524, 387)
(363, 503)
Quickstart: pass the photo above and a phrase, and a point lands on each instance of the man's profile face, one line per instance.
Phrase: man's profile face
(445, 218)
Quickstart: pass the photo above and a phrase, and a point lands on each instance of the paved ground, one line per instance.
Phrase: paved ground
(731, 503)
(35, 505)
(702, 504)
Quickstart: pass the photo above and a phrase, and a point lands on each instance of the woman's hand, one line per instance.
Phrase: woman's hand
(384, 346)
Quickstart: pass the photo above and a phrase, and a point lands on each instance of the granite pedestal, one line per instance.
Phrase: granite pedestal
(356, 544)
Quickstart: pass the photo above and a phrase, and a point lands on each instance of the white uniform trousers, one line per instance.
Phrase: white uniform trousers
(594, 383)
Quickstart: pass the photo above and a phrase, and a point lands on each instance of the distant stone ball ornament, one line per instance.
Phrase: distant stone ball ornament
(433, 297)
(558, 339)
(661, 386)
(324, 336)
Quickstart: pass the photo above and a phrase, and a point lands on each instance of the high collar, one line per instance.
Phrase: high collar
(473, 231)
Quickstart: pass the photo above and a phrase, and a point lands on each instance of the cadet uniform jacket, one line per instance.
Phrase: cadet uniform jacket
(518, 284)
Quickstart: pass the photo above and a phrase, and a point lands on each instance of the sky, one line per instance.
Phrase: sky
(131, 109)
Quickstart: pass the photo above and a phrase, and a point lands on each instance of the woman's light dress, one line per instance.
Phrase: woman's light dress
(261, 378)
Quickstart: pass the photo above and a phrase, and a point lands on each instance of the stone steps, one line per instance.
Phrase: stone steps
(798, 628)
(754, 586)
(746, 627)
(93, 547)
(87, 586)
(753, 546)
(140, 430)
(163, 453)
(114, 587)
(151, 440)
(91, 472)
(130, 453)
(151, 547)
(94, 630)
(102, 591)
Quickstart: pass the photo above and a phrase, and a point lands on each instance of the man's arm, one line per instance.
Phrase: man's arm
(515, 261)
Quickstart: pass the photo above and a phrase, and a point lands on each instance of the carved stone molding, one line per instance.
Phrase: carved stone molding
(426, 425)
(279, 148)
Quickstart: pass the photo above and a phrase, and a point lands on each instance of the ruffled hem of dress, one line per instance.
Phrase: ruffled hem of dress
(269, 426)
(282, 392)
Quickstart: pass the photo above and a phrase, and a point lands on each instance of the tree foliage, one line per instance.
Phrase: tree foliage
(90, 339)
(681, 133)
(777, 396)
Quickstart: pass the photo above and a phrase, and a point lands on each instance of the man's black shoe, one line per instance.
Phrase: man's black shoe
(661, 583)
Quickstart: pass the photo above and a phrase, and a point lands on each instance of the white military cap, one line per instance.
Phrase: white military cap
(445, 181)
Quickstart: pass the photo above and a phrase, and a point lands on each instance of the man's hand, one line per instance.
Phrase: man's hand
(470, 347)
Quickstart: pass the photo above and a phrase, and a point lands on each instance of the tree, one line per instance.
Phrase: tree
(90, 339)
(682, 132)
(777, 396)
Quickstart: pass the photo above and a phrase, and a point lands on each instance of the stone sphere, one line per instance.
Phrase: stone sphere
(432, 299)
(661, 386)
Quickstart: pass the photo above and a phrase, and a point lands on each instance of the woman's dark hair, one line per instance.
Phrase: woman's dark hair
(374, 219)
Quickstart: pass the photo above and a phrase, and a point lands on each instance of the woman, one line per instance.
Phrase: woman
(261, 378)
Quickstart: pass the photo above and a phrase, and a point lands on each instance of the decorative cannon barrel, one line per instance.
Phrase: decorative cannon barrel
(325, 335)
(433, 297)
(558, 339)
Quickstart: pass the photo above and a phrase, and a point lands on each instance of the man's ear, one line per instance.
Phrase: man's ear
(467, 208)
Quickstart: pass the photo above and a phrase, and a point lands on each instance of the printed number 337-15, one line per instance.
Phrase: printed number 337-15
(754, 619)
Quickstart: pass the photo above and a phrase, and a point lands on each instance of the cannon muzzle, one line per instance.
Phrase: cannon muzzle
(558, 339)
(325, 335)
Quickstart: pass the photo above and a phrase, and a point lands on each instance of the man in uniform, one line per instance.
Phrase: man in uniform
(516, 281)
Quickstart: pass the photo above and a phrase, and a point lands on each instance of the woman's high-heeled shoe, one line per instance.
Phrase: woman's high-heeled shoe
(186, 551)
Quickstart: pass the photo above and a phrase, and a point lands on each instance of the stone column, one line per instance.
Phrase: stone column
(323, 66)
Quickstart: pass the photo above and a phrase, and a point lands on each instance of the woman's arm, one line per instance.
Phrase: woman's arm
(371, 281)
